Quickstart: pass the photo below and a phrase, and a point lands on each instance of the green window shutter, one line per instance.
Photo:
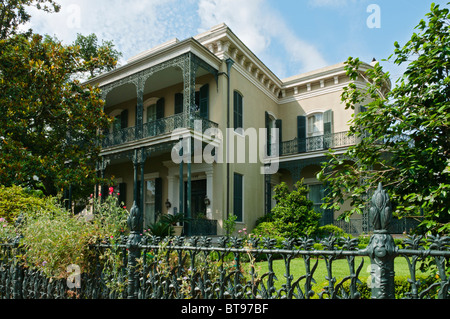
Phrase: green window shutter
(268, 134)
(328, 122)
(238, 110)
(301, 133)
(160, 125)
(238, 197)
(124, 119)
(178, 103)
(160, 108)
(158, 197)
(328, 129)
(279, 126)
(204, 101)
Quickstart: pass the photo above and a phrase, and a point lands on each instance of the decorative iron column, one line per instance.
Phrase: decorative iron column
(139, 108)
(189, 189)
(381, 248)
(181, 181)
(135, 224)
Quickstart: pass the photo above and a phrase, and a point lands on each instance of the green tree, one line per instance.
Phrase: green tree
(49, 133)
(13, 14)
(404, 132)
(294, 215)
(96, 58)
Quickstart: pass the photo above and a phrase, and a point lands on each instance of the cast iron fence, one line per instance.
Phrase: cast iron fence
(239, 268)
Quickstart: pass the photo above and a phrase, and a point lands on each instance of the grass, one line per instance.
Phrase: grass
(340, 270)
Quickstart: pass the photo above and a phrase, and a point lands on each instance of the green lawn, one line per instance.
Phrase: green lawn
(340, 269)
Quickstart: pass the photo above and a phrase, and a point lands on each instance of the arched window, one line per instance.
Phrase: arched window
(315, 125)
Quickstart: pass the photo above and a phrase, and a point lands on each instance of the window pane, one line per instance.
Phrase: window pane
(151, 113)
(315, 124)
(238, 111)
(149, 214)
(238, 197)
(316, 194)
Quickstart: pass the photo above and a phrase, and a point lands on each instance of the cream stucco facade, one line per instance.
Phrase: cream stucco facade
(214, 80)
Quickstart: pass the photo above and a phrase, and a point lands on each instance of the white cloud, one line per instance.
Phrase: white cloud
(133, 25)
(137, 25)
(259, 26)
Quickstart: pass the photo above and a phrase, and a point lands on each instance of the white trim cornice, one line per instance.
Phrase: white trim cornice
(153, 58)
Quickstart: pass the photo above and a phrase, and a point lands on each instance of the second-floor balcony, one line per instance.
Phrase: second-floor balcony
(155, 128)
(316, 143)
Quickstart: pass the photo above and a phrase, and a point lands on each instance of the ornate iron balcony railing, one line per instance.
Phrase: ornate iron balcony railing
(156, 128)
(316, 143)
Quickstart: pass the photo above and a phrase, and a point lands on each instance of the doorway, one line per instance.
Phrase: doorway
(198, 194)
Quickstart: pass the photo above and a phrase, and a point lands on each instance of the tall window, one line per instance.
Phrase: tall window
(149, 195)
(151, 113)
(120, 121)
(238, 202)
(152, 200)
(238, 110)
(315, 124)
(316, 194)
(201, 102)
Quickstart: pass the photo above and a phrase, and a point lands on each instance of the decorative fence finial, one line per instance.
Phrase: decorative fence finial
(381, 248)
(135, 219)
(135, 224)
(380, 210)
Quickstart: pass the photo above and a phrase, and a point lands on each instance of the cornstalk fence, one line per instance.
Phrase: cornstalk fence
(228, 267)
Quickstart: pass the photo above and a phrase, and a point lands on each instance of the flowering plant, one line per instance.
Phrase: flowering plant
(7, 231)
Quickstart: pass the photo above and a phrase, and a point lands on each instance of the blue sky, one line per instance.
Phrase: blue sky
(289, 36)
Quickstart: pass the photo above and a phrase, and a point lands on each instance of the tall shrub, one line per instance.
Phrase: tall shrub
(16, 200)
(294, 215)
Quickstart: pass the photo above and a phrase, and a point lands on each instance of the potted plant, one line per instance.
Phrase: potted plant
(175, 222)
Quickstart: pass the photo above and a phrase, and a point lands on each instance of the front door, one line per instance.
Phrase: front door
(198, 194)
(198, 225)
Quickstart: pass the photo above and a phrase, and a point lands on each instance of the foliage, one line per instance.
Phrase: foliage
(294, 215)
(96, 58)
(49, 133)
(16, 200)
(160, 229)
(404, 132)
(7, 231)
(268, 230)
(53, 239)
(330, 230)
(230, 224)
(173, 219)
(164, 226)
(266, 218)
(110, 216)
(13, 14)
(402, 287)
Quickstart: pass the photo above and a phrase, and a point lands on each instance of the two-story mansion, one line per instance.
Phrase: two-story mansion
(196, 89)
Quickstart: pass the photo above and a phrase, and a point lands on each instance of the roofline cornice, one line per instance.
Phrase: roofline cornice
(154, 58)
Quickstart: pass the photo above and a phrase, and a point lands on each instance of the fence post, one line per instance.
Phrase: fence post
(17, 275)
(381, 248)
(135, 224)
